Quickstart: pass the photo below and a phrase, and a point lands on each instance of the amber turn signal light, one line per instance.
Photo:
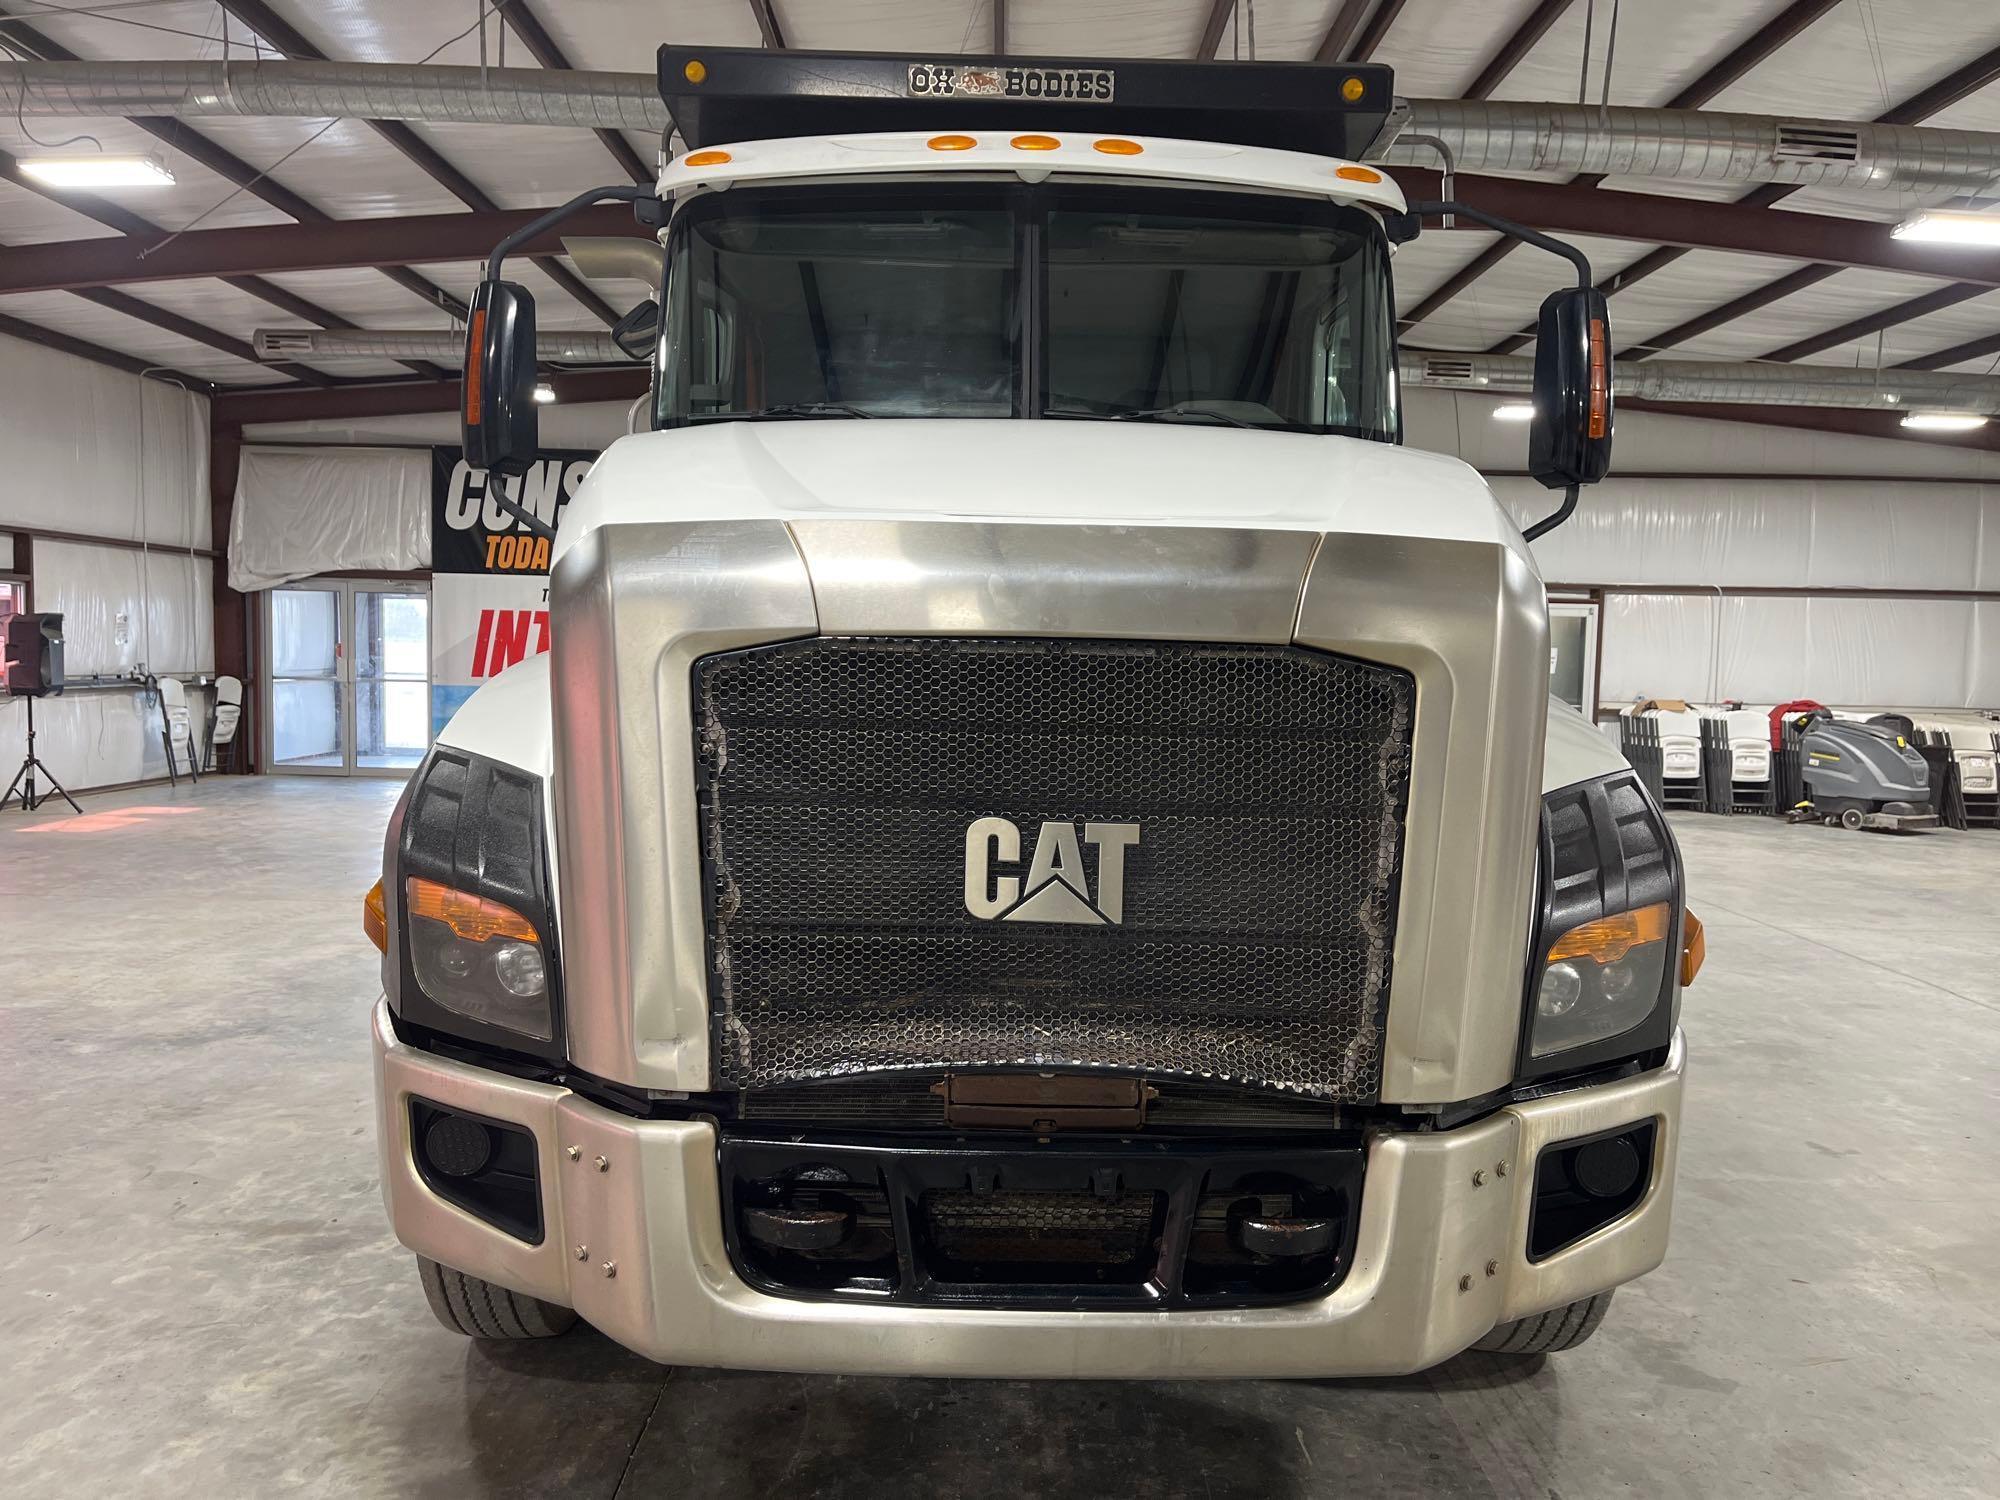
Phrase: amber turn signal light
(375, 917)
(1694, 949)
(471, 917)
(1609, 939)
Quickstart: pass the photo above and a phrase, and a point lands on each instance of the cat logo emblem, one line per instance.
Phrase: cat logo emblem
(1056, 887)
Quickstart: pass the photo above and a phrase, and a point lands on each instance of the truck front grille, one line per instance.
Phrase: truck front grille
(839, 779)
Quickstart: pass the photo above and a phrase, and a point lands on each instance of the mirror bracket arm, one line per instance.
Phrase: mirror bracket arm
(1514, 231)
(1556, 517)
(542, 223)
(497, 493)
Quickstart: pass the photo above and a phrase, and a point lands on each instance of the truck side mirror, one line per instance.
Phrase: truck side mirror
(1569, 441)
(501, 422)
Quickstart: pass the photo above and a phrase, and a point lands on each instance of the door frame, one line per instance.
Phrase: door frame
(344, 588)
(1591, 610)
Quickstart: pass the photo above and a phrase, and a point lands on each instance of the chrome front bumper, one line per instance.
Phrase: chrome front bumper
(634, 1243)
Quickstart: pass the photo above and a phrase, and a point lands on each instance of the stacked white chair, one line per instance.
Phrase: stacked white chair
(1680, 756)
(223, 723)
(176, 732)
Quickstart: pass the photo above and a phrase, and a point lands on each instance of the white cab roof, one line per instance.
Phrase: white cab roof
(1076, 154)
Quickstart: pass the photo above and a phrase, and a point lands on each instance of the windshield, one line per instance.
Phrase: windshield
(1008, 300)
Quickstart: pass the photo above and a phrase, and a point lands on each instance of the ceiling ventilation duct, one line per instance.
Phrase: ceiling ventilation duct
(1731, 383)
(1484, 135)
(1698, 146)
(443, 347)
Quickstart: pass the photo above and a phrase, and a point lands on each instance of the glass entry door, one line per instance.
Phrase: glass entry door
(347, 678)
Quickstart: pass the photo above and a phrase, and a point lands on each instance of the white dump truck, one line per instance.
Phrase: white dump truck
(1041, 846)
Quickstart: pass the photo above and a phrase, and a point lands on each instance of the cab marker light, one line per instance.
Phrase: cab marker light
(707, 159)
(1114, 146)
(1035, 143)
(951, 143)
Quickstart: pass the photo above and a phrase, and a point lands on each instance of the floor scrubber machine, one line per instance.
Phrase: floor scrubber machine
(1862, 775)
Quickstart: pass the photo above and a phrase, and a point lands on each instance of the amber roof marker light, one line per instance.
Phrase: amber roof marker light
(1117, 146)
(707, 159)
(951, 143)
(1035, 143)
(696, 70)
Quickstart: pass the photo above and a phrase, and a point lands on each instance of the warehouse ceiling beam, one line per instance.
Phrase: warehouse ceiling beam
(1219, 12)
(200, 333)
(1956, 86)
(545, 51)
(1504, 60)
(1608, 213)
(1340, 31)
(97, 354)
(259, 249)
(1376, 29)
(1724, 72)
(191, 143)
(767, 23)
(347, 402)
(280, 34)
(1519, 43)
(128, 223)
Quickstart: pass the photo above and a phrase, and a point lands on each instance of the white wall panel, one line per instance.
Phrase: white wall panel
(1656, 646)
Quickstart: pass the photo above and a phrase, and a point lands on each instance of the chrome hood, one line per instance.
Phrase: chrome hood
(1054, 472)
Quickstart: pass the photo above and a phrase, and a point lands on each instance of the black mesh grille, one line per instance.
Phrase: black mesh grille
(839, 778)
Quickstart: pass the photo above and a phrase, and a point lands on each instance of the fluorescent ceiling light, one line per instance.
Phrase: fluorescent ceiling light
(1944, 421)
(1945, 226)
(545, 394)
(99, 171)
(1514, 411)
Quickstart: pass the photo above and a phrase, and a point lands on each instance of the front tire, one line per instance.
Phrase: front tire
(1546, 1333)
(479, 1309)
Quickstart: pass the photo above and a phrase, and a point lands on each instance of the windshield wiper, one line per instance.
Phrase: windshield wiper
(1156, 413)
(784, 409)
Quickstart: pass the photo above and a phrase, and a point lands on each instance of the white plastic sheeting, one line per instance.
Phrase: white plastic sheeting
(302, 511)
(128, 612)
(1752, 531)
(97, 452)
(1936, 653)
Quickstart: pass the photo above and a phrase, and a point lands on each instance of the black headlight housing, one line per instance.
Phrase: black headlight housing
(472, 929)
(1603, 973)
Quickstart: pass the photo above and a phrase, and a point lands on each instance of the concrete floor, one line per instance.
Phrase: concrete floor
(198, 1295)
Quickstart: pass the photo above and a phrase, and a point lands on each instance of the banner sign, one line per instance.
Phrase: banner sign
(489, 573)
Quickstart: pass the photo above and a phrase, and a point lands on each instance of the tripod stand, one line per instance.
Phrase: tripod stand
(25, 777)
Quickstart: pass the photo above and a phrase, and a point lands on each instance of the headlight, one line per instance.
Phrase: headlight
(478, 958)
(1601, 984)
(473, 952)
